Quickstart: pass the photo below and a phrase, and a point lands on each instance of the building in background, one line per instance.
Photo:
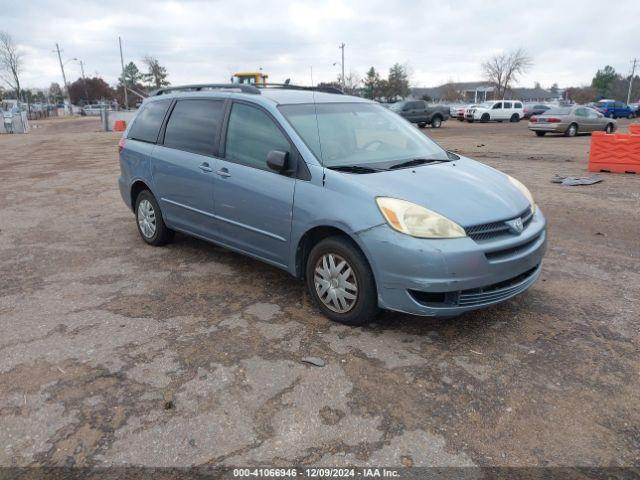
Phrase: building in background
(477, 92)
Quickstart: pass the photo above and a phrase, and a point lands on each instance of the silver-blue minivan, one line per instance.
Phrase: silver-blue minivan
(336, 190)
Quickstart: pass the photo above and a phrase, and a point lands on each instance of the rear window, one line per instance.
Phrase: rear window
(558, 111)
(147, 124)
(193, 126)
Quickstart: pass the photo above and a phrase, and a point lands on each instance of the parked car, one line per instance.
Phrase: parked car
(635, 108)
(336, 190)
(94, 109)
(613, 109)
(534, 109)
(420, 112)
(571, 121)
(499, 111)
(457, 111)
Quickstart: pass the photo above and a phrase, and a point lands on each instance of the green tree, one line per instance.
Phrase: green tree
(372, 84)
(132, 75)
(156, 76)
(604, 79)
(398, 82)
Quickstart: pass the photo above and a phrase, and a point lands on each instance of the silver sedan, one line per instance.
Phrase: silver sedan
(571, 121)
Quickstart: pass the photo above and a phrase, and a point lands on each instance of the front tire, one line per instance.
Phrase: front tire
(149, 220)
(341, 282)
(609, 128)
(541, 134)
(485, 118)
(436, 122)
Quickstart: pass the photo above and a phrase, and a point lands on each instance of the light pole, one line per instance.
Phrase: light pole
(84, 79)
(64, 77)
(341, 47)
(633, 72)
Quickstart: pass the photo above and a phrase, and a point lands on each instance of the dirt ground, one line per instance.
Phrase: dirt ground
(113, 352)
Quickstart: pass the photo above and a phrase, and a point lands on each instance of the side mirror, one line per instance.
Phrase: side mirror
(277, 160)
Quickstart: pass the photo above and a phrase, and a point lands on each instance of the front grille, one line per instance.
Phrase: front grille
(511, 251)
(497, 291)
(488, 231)
(477, 296)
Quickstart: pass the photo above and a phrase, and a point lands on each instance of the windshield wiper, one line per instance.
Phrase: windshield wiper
(354, 169)
(415, 162)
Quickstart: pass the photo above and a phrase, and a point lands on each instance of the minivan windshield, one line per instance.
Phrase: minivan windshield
(359, 134)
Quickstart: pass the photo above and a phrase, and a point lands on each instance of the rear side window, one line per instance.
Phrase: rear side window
(148, 121)
(517, 105)
(251, 135)
(193, 126)
(507, 104)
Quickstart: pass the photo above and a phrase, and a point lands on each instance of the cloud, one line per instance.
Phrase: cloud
(207, 41)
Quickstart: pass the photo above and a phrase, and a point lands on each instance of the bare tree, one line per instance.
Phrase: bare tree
(10, 62)
(352, 82)
(156, 77)
(503, 69)
(450, 93)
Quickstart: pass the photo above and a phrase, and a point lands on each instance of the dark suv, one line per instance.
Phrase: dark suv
(418, 111)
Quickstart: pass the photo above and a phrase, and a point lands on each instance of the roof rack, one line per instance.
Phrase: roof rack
(288, 86)
(243, 87)
(208, 86)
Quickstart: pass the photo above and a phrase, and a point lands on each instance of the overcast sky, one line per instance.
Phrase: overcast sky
(207, 41)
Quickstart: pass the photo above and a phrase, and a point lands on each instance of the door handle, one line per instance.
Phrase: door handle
(205, 167)
(223, 172)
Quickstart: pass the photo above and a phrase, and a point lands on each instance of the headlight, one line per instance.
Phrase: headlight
(417, 221)
(525, 191)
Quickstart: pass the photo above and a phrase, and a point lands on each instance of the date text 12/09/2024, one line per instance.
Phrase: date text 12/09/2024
(316, 473)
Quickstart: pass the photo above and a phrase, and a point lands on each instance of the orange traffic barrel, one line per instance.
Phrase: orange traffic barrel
(119, 126)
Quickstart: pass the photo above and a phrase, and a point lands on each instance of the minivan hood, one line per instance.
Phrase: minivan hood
(465, 191)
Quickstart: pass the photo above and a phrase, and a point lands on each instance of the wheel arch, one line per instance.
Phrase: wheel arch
(315, 234)
(136, 187)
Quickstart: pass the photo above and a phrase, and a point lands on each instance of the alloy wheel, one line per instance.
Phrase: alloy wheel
(335, 282)
(146, 218)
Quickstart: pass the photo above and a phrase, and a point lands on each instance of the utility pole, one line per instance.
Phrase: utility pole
(341, 47)
(64, 77)
(124, 79)
(633, 72)
(84, 80)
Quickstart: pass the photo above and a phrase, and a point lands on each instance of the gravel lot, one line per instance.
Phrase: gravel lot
(113, 352)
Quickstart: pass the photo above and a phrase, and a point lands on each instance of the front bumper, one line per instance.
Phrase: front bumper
(452, 276)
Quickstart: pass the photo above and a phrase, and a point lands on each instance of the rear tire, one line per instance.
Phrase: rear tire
(341, 282)
(149, 220)
(436, 122)
(514, 118)
(541, 134)
(572, 131)
(422, 125)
